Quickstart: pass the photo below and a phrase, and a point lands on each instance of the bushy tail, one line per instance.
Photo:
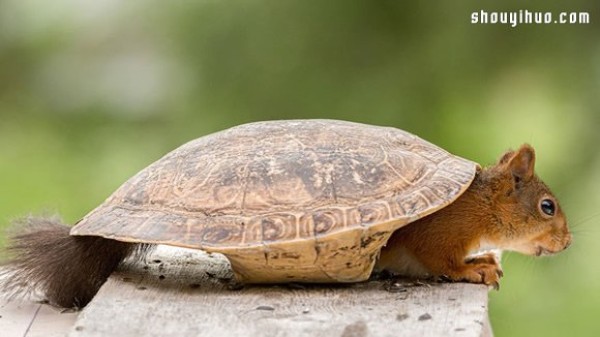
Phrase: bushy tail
(69, 270)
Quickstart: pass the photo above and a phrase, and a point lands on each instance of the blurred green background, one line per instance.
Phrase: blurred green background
(93, 91)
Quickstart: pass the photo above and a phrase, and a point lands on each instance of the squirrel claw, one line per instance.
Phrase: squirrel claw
(445, 278)
(486, 273)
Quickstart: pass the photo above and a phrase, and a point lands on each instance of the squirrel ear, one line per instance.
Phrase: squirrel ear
(506, 156)
(522, 163)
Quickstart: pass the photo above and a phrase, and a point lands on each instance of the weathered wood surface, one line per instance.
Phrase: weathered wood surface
(28, 318)
(180, 292)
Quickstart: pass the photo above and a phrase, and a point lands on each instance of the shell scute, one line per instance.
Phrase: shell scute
(266, 185)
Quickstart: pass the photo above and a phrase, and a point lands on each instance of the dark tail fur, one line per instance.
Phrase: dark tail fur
(69, 270)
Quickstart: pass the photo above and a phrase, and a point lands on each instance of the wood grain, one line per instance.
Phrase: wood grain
(181, 292)
(27, 318)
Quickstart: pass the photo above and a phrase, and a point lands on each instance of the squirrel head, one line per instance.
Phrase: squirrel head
(530, 218)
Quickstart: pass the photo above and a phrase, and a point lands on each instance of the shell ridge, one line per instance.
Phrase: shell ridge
(254, 185)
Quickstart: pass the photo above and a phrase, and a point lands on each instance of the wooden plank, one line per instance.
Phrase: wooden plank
(33, 319)
(27, 316)
(16, 317)
(52, 322)
(180, 292)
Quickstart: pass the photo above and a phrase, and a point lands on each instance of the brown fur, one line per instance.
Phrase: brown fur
(500, 208)
(69, 270)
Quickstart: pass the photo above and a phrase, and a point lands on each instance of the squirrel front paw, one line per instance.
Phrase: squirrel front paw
(482, 269)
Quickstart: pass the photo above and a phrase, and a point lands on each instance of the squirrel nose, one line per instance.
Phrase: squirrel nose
(569, 241)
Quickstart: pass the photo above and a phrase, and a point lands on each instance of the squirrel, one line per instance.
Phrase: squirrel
(506, 207)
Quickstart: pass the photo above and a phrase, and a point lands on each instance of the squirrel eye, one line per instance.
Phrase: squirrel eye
(548, 207)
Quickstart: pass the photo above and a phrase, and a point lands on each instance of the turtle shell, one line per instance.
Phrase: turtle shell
(290, 200)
